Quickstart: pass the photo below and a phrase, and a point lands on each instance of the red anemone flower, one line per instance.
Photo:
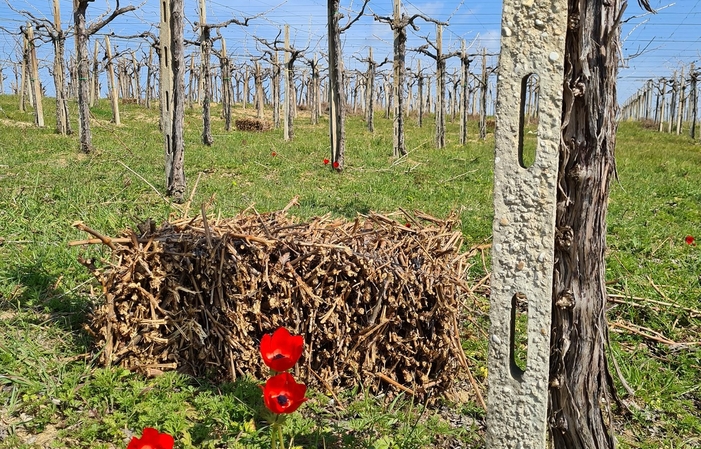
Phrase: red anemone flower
(282, 394)
(326, 162)
(152, 439)
(336, 164)
(689, 239)
(281, 350)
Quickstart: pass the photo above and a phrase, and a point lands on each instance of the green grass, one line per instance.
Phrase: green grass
(656, 203)
(52, 392)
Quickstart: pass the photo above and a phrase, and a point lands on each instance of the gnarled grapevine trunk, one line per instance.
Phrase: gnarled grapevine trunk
(581, 389)
(81, 52)
(337, 100)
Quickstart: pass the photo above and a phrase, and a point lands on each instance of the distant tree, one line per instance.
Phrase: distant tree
(291, 56)
(483, 82)
(35, 81)
(227, 92)
(337, 100)
(398, 23)
(464, 91)
(52, 31)
(272, 57)
(440, 58)
(205, 42)
(420, 77)
(314, 89)
(693, 100)
(82, 33)
(370, 76)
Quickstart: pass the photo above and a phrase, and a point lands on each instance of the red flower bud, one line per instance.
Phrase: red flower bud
(689, 239)
(152, 439)
(282, 394)
(326, 162)
(336, 164)
(281, 350)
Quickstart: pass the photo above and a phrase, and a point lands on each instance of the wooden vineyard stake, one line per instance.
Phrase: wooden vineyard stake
(35, 80)
(114, 88)
(532, 48)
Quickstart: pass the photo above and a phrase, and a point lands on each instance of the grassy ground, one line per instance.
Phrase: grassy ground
(52, 394)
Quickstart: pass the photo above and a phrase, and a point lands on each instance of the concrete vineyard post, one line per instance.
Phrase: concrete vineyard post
(533, 38)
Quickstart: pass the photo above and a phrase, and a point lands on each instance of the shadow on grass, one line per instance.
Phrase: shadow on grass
(348, 208)
(32, 288)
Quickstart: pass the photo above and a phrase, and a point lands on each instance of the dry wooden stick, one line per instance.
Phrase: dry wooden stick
(186, 207)
(127, 240)
(459, 176)
(660, 245)
(480, 283)
(391, 381)
(463, 360)
(109, 335)
(484, 261)
(104, 239)
(120, 240)
(328, 387)
(657, 289)
(653, 301)
(293, 202)
(410, 218)
(207, 231)
(639, 330)
(623, 380)
(150, 185)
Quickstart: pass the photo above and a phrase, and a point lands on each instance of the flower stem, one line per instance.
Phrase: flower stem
(276, 440)
(279, 433)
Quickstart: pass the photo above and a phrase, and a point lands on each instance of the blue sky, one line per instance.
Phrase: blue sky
(666, 41)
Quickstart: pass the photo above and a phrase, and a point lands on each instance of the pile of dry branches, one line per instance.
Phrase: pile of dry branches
(251, 124)
(377, 300)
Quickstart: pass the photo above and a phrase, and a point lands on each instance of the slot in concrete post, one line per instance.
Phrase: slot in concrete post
(532, 45)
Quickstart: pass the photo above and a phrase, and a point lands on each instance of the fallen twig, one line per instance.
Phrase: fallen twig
(463, 361)
(459, 176)
(186, 206)
(617, 299)
(150, 185)
(657, 289)
(644, 332)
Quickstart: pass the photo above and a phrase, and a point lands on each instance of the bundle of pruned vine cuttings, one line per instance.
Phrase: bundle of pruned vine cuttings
(252, 124)
(377, 299)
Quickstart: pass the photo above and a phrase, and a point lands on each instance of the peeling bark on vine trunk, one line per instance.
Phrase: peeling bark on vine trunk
(581, 389)
(206, 45)
(398, 97)
(81, 47)
(58, 38)
(175, 141)
(370, 93)
(63, 125)
(275, 91)
(464, 86)
(226, 91)
(337, 100)
(260, 92)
